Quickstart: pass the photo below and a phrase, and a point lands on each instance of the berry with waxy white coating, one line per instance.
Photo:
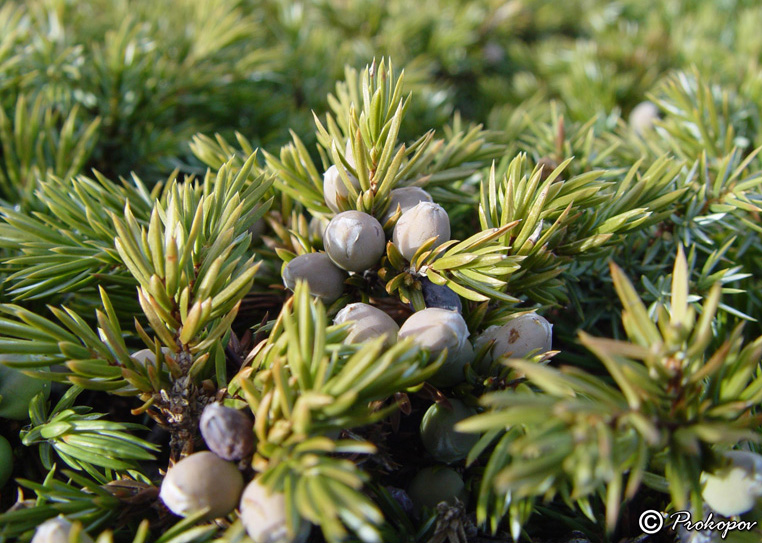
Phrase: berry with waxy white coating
(417, 225)
(436, 484)
(402, 498)
(227, 432)
(734, 489)
(367, 322)
(316, 227)
(334, 187)
(440, 296)
(406, 198)
(58, 530)
(436, 330)
(147, 356)
(354, 240)
(643, 116)
(438, 431)
(325, 279)
(518, 337)
(452, 371)
(199, 481)
(264, 516)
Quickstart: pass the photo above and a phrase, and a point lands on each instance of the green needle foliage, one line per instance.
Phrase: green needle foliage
(577, 228)
(92, 504)
(191, 274)
(82, 440)
(67, 244)
(569, 433)
(304, 383)
(372, 136)
(35, 146)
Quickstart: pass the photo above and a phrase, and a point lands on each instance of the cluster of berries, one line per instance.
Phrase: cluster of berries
(355, 242)
(438, 330)
(211, 480)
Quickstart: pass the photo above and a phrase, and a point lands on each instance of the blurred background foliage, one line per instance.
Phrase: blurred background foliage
(123, 86)
(154, 73)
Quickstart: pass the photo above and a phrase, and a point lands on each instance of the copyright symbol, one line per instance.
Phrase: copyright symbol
(651, 522)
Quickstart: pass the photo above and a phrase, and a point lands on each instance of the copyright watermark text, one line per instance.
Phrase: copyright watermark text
(652, 521)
